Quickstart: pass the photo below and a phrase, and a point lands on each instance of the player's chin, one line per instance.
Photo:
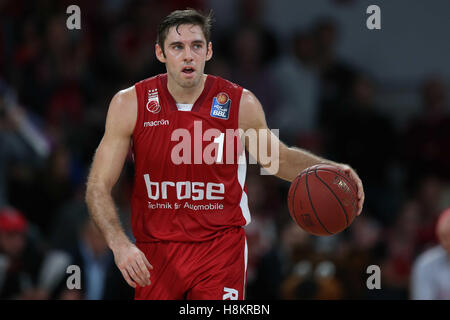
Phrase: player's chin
(188, 82)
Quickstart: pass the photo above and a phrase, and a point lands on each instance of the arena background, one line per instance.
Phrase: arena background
(376, 99)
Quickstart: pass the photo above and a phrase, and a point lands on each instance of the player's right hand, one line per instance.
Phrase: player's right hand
(133, 264)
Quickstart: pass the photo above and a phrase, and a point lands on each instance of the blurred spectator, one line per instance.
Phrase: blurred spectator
(293, 245)
(219, 66)
(429, 196)
(26, 270)
(17, 274)
(68, 221)
(298, 80)
(310, 268)
(22, 143)
(48, 190)
(26, 61)
(313, 280)
(357, 250)
(249, 14)
(336, 76)
(400, 250)
(251, 47)
(249, 70)
(367, 139)
(261, 232)
(101, 279)
(431, 270)
(427, 136)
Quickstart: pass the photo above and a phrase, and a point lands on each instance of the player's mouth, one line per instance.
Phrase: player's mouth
(188, 70)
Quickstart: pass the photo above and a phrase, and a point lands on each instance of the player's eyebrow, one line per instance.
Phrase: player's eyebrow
(177, 43)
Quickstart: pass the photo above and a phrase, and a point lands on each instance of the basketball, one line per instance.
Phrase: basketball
(322, 200)
(153, 106)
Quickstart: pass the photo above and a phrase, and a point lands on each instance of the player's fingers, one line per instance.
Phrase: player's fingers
(360, 189)
(144, 258)
(127, 278)
(132, 272)
(361, 203)
(143, 270)
(139, 273)
(358, 181)
(350, 173)
(360, 196)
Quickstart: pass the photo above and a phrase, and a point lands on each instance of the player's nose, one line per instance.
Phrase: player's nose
(188, 54)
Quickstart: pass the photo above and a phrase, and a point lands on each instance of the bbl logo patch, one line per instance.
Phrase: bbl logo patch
(221, 106)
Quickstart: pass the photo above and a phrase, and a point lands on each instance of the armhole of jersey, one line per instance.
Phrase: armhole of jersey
(242, 168)
(241, 90)
(137, 127)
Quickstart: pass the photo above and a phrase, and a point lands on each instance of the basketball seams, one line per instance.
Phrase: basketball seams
(343, 176)
(334, 194)
(348, 179)
(312, 206)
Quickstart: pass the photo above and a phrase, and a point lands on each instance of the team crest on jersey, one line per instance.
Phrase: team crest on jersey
(153, 101)
(221, 106)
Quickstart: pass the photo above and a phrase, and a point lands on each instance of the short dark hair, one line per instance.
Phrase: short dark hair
(188, 16)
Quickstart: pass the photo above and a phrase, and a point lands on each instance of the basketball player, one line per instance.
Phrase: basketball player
(187, 217)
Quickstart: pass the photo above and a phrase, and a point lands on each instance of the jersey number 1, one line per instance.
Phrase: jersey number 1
(219, 140)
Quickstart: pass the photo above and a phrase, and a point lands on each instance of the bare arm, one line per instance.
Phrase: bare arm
(105, 171)
(283, 161)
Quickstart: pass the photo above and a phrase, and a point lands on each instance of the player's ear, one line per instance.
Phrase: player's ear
(160, 53)
(209, 53)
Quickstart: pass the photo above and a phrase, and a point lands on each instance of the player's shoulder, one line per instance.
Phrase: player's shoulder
(248, 97)
(251, 113)
(122, 112)
(150, 80)
(129, 95)
(224, 83)
(125, 98)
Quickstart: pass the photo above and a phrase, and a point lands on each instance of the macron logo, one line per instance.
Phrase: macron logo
(156, 123)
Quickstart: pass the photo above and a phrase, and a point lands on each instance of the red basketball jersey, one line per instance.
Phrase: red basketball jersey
(190, 171)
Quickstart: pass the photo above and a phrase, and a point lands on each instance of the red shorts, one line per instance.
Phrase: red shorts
(209, 270)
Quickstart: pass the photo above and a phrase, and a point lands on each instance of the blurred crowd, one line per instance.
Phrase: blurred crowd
(55, 87)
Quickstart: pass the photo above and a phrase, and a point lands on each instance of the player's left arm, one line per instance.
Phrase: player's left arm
(287, 162)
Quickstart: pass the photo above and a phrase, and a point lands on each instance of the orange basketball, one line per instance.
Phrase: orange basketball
(323, 200)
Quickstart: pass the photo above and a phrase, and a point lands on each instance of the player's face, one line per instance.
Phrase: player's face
(186, 53)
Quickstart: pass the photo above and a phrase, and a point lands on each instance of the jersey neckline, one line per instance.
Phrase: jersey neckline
(197, 104)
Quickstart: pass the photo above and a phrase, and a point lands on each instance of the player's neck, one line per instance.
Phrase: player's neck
(185, 95)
